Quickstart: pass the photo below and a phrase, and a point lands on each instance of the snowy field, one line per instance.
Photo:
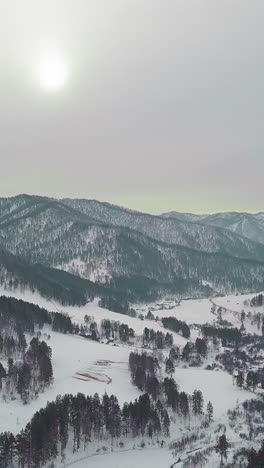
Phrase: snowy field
(89, 367)
(216, 387)
(233, 306)
(147, 458)
(190, 311)
(236, 303)
(77, 314)
(72, 355)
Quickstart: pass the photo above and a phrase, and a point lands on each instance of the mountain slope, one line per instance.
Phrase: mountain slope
(50, 283)
(204, 237)
(53, 234)
(248, 225)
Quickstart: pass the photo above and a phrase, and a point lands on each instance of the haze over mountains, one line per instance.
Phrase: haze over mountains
(246, 224)
(139, 254)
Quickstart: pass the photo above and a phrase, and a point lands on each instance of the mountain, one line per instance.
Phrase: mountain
(248, 225)
(125, 250)
(196, 235)
(251, 226)
(185, 217)
(50, 283)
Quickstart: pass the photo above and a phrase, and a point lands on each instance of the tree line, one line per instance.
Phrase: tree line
(228, 335)
(114, 305)
(74, 422)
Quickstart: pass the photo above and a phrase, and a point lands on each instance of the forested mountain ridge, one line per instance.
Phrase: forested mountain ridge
(84, 238)
(171, 230)
(69, 289)
(49, 282)
(248, 225)
(24, 211)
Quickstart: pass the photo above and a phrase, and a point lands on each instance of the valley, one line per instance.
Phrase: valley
(145, 331)
(89, 367)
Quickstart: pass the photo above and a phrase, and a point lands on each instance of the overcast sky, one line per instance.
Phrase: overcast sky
(163, 108)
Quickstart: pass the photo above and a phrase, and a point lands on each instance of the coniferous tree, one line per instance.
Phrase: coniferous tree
(210, 411)
(197, 402)
(174, 354)
(240, 379)
(222, 447)
(184, 404)
(2, 374)
(169, 369)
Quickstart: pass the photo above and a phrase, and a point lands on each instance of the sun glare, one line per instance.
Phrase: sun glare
(52, 73)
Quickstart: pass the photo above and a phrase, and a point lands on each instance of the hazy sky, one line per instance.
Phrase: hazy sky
(163, 107)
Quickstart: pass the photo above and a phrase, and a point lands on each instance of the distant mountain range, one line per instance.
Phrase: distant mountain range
(247, 225)
(139, 254)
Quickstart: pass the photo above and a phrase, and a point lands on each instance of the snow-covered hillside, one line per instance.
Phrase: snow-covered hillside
(90, 367)
(101, 242)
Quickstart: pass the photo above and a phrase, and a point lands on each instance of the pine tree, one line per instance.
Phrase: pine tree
(184, 404)
(222, 447)
(2, 374)
(125, 420)
(114, 417)
(24, 376)
(210, 411)
(171, 393)
(201, 347)
(169, 369)
(140, 378)
(168, 340)
(197, 402)
(166, 423)
(240, 379)
(174, 354)
(153, 387)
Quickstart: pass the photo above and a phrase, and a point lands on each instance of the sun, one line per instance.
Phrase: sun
(52, 73)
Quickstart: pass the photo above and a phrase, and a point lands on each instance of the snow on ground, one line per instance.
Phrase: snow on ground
(190, 311)
(92, 309)
(216, 387)
(149, 458)
(86, 366)
(71, 355)
(77, 315)
(236, 303)
(194, 311)
(33, 297)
